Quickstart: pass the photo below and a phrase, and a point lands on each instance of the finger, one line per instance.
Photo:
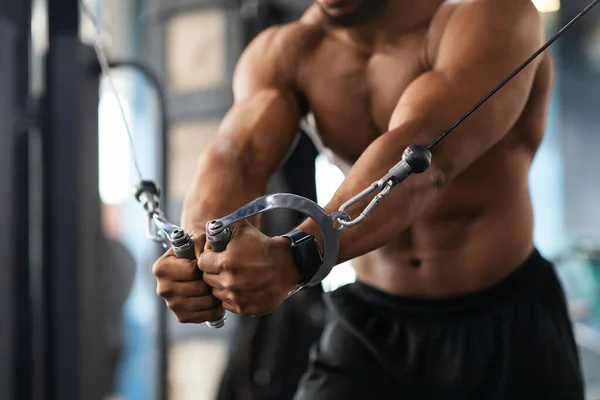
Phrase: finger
(193, 304)
(167, 289)
(214, 281)
(250, 310)
(176, 270)
(194, 288)
(230, 280)
(199, 239)
(240, 226)
(235, 230)
(210, 262)
(235, 302)
(225, 296)
(231, 307)
(198, 317)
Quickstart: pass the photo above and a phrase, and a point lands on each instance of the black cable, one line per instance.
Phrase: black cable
(156, 84)
(514, 73)
(154, 81)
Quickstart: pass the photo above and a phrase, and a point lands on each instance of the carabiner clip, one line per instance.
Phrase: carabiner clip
(387, 187)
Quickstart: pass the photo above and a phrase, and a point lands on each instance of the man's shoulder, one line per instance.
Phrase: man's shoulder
(276, 54)
(291, 38)
(494, 9)
(454, 13)
(509, 7)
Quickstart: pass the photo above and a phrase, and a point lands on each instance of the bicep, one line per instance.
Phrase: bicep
(478, 51)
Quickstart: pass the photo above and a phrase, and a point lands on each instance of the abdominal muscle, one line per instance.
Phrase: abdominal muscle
(477, 231)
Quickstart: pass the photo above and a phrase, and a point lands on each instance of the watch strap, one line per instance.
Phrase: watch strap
(307, 256)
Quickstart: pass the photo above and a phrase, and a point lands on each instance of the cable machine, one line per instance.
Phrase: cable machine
(15, 329)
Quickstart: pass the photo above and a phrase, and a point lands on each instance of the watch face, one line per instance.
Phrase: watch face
(315, 247)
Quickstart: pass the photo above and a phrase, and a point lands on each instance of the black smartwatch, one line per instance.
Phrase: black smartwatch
(307, 255)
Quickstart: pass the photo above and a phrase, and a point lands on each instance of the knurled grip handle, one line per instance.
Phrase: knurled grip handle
(218, 236)
(183, 248)
(185, 251)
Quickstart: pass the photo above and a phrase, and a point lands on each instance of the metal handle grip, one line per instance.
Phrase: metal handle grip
(218, 236)
(184, 249)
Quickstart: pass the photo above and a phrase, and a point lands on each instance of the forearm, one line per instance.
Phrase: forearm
(394, 214)
(433, 103)
(222, 184)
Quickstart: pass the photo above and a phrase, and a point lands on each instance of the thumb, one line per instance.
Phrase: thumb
(199, 239)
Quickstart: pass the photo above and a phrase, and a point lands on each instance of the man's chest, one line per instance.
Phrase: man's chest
(353, 96)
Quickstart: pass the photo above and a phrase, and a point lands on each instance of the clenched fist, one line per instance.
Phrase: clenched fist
(180, 283)
(254, 274)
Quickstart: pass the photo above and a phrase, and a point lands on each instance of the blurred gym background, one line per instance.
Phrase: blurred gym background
(79, 317)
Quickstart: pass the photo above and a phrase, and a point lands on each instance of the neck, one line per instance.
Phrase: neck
(398, 17)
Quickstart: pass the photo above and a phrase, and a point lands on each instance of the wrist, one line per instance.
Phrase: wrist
(191, 222)
(310, 227)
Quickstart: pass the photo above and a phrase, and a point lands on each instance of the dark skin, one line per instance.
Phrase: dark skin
(376, 88)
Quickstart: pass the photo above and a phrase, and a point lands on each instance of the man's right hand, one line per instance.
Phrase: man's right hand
(180, 283)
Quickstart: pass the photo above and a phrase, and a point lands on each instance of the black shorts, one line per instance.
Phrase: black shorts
(512, 341)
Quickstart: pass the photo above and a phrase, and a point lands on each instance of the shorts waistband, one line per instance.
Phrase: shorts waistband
(523, 280)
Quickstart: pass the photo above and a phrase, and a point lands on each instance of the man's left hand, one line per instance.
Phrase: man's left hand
(254, 275)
